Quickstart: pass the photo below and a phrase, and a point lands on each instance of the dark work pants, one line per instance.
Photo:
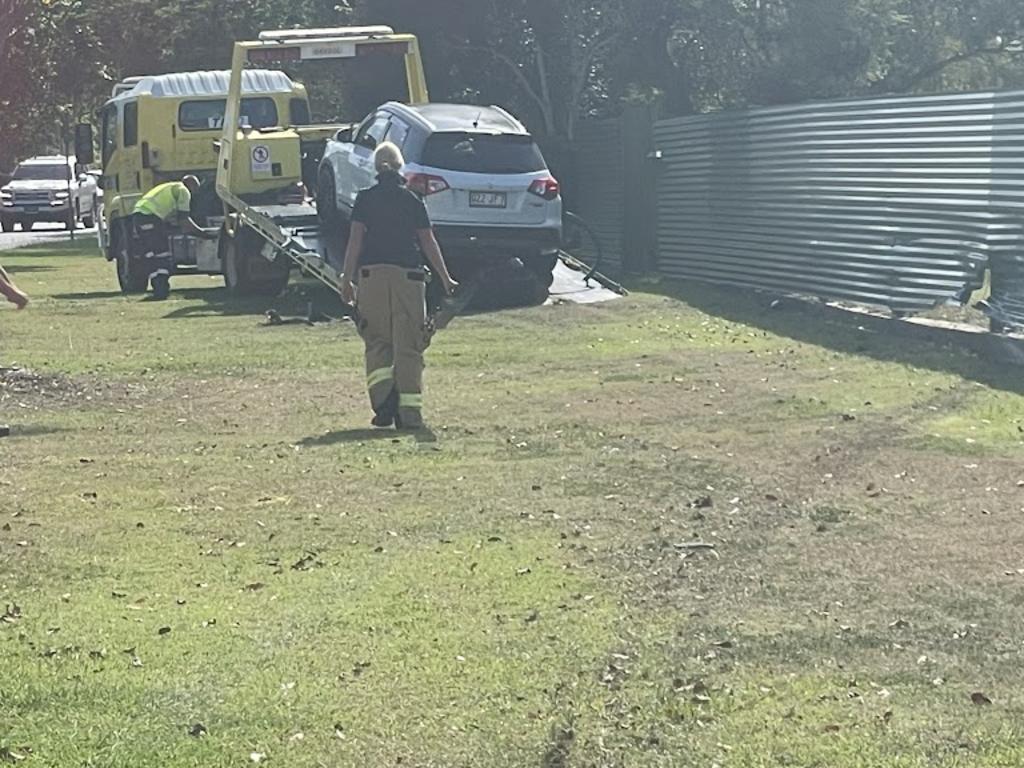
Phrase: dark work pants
(152, 242)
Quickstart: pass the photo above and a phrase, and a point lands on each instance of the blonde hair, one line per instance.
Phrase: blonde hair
(388, 157)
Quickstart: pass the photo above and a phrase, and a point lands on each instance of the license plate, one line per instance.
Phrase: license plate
(488, 200)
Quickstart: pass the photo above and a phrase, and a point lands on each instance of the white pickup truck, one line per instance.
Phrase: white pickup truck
(49, 188)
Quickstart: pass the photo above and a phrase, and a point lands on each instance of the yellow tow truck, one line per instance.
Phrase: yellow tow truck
(265, 230)
(158, 128)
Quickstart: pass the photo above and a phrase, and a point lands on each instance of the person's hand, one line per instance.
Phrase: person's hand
(450, 286)
(348, 292)
(19, 299)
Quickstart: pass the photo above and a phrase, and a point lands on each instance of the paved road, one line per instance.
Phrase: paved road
(42, 233)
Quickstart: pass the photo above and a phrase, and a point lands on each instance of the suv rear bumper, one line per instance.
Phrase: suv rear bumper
(526, 241)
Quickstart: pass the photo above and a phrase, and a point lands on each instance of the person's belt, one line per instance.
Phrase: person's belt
(415, 275)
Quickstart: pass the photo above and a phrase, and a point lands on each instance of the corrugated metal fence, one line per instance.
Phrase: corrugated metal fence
(892, 202)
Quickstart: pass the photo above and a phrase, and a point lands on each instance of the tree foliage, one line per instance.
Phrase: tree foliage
(555, 62)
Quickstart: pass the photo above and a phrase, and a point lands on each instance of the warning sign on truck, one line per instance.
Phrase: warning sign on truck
(261, 159)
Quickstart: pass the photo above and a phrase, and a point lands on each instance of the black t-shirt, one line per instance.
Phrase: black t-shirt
(392, 214)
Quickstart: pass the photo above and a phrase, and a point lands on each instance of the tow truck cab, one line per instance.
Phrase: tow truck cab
(160, 128)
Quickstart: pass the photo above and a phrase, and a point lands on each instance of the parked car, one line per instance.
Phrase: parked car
(50, 188)
(485, 182)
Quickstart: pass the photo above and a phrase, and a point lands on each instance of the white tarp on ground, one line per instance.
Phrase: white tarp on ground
(570, 286)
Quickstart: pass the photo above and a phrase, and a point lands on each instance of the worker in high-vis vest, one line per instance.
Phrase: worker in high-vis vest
(164, 210)
(389, 237)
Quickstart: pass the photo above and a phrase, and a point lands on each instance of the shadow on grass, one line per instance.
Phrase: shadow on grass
(32, 430)
(879, 338)
(28, 269)
(296, 300)
(88, 296)
(424, 436)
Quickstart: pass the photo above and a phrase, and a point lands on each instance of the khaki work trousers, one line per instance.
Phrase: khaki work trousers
(393, 323)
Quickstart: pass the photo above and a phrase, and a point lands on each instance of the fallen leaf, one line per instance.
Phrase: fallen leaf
(197, 730)
(257, 757)
(980, 699)
(164, 631)
(832, 728)
(256, 586)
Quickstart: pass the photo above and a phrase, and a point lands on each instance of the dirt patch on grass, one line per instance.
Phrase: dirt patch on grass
(25, 388)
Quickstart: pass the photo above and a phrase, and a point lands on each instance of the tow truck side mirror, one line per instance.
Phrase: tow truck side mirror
(83, 144)
(344, 136)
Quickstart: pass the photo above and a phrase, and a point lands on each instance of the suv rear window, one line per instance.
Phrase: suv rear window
(483, 153)
(260, 112)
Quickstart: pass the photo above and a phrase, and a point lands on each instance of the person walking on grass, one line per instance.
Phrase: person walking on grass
(389, 237)
(11, 292)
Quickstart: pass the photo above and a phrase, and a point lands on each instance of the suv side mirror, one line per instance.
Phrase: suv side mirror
(344, 136)
(83, 144)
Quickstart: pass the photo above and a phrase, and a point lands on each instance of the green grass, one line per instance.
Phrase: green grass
(198, 528)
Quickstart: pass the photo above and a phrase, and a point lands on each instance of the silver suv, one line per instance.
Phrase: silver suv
(484, 180)
(50, 188)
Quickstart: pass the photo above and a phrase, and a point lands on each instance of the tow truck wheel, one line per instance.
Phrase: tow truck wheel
(7, 225)
(246, 271)
(26, 226)
(131, 279)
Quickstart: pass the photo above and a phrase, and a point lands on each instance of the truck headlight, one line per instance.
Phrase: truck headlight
(62, 195)
(6, 195)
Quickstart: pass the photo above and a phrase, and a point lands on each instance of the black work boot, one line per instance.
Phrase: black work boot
(384, 416)
(409, 420)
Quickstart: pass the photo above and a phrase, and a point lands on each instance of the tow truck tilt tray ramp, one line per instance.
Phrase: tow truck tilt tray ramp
(263, 233)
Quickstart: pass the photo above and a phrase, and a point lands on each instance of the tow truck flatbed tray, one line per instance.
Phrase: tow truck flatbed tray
(298, 214)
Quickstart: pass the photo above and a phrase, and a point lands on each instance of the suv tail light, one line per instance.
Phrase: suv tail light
(426, 184)
(547, 188)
